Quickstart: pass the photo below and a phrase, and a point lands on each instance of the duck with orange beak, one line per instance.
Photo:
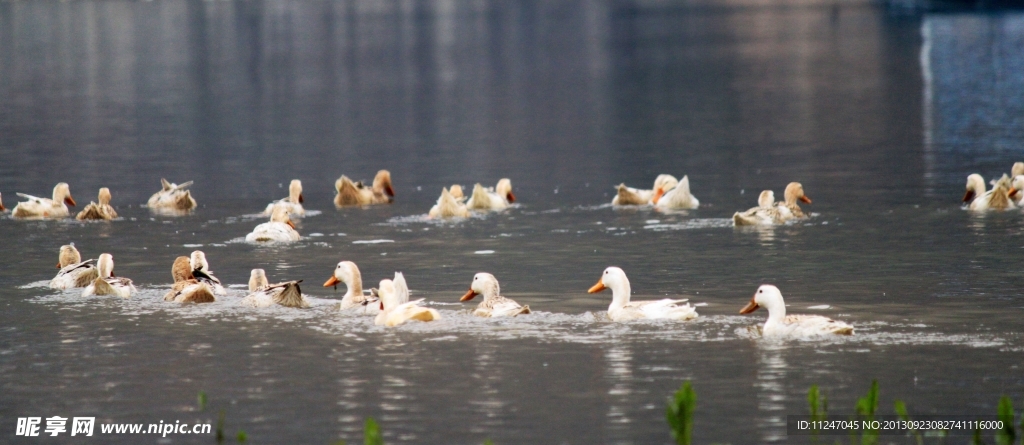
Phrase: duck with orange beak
(279, 229)
(494, 305)
(625, 196)
(354, 299)
(622, 309)
(794, 192)
(781, 325)
(56, 207)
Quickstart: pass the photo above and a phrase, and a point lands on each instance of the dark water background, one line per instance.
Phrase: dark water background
(880, 116)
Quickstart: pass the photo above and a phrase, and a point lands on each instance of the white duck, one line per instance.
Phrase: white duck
(106, 283)
(293, 202)
(448, 207)
(73, 271)
(765, 214)
(35, 207)
(99, 210)
(678, 197)
(186, 288)
(494, 305)
(172, 197)
(632, 196)
(264, 294)
(779, 324)
(347, 272)
(279, 229)
(497, 198)
(201, 272)
(396, 307)
(996, 199)
(622, 309)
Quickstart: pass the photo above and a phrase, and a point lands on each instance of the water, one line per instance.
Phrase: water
(880, 117)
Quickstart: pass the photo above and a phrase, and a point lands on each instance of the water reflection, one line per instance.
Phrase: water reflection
(771, 390)
(619, 373)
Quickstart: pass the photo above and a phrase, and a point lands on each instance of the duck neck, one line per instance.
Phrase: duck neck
(620, 295)
(491, 290)
(776, 311)
(355, 287)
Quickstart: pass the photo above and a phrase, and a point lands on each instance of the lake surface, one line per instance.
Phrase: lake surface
(881, 117)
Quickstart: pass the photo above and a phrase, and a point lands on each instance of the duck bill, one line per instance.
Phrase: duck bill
(597, 288)
(750, 307)
(969, 196)
(805, 199)
(657, 195)
(390, 191)
(58, 264)
(2, 208)
(290, 224)
(69, 201)
(469, 296)
(1012, 193)
(333, 281)
(510, 197)
(301, 199)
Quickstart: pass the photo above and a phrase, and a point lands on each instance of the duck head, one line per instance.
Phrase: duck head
(794, 192)
(346, 272)
(382, 183)
(62, 192)
(975, 187)
(181, 270)
(105, 265)
(483, 284)
(504, 189)
(104, 196)
(68, 255)
(295, 192)
(258, 280)
(767, 296)
(281, 214)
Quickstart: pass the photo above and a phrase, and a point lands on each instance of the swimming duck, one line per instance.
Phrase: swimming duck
(201, 272)
(106, 283)
(35, 207)
(101, 210)
(396, 307)
(497, 198)
(632, 196)
(264, 294)
(678, 197)
(172, 197)
(279, 229)
(779, 324)
(448, 207)
(347, 272)
(73, 271)
(494, 305)
(766, 213)
(186, 289)
(355, 193)
(996, 199)
(293, 203)
(794, 192)
(622, 309)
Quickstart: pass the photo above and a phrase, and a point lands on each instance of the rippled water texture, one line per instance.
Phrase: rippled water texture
(880, 117)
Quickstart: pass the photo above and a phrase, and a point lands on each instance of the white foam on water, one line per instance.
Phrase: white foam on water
(373, 241)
